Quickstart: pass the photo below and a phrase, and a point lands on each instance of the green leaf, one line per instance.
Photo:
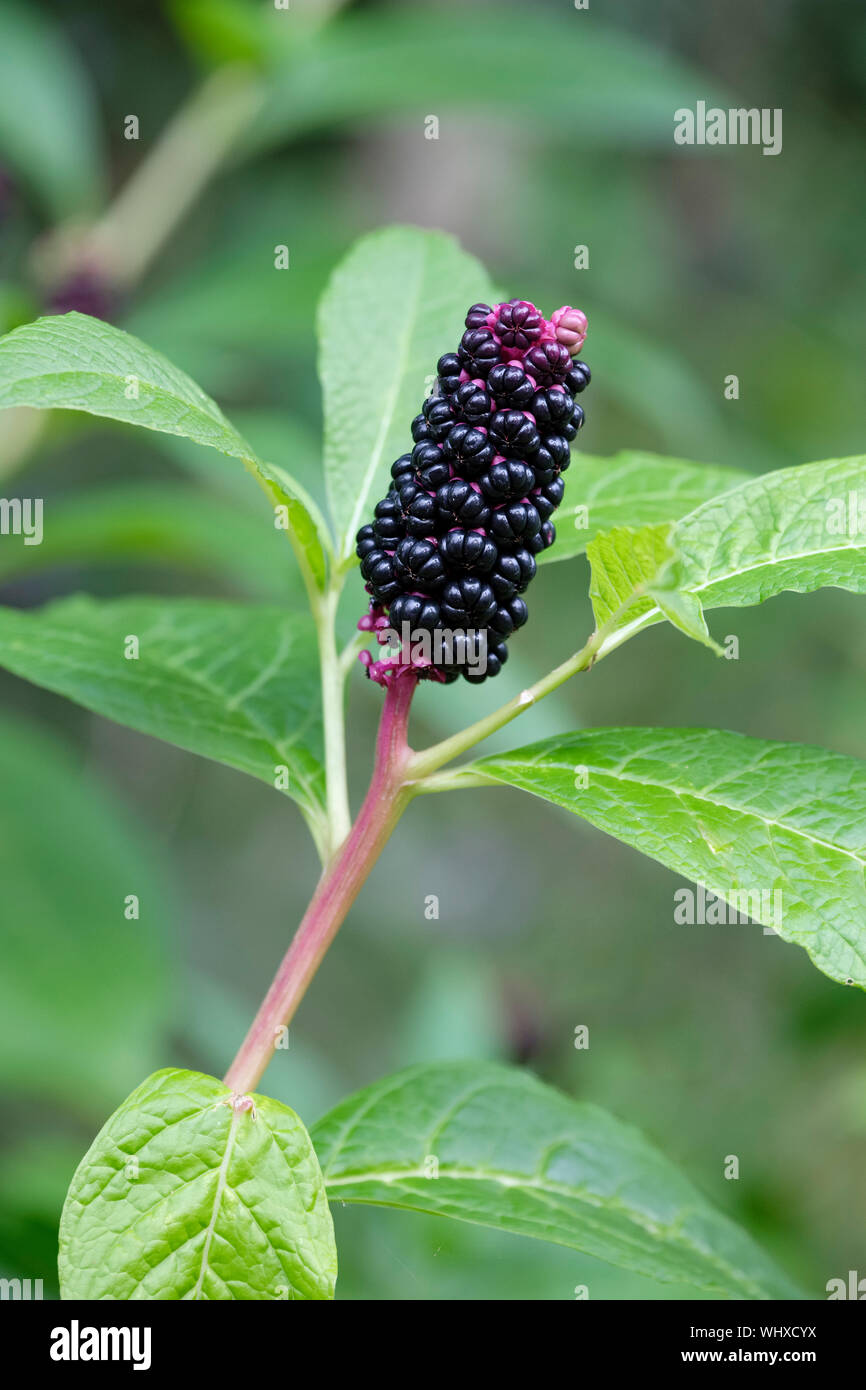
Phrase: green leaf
(49, 131)
(490, 1144)
(83, 990)
(630, 489)
(183, 1195)
(73, 362)
(778, 830)
(234, 683)
(797, 529)
(391, 305)
(625, 562)
(159, 524)
(373, 65)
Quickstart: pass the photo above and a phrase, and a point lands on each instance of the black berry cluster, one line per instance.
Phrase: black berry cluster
(453, 545)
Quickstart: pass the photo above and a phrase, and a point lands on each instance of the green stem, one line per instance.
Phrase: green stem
(422, 764)
(332, 677)
(172, 176)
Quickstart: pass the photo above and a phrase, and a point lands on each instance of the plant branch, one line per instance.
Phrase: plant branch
(173, 175)
(430, 759)
(340, 884)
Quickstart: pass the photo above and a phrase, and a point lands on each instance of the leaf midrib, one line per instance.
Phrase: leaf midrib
(683, 792)
(546, 1187)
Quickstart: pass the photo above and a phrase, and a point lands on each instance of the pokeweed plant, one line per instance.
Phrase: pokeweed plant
(204, 1189)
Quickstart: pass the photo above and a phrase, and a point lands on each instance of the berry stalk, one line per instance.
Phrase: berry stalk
(338, 887)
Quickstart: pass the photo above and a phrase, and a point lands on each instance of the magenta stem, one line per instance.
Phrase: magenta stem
(338, 887)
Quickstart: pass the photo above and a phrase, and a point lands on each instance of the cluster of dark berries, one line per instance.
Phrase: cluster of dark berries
(452, 547)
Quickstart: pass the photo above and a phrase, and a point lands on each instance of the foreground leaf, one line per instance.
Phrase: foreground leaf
(74, 362)
(778, 830)
(797, 529)
(630, 489)
(184, 1196)
(83, 989)
(391, 309)
(625, 563)
(234, 683)
(492, 1145)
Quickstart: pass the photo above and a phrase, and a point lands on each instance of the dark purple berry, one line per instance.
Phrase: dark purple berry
(418, 565)
(514, 524)
(403, 470)
(512, 433)
(421, 514)
(439, 415)
(449, 368)
(431, 468)
(510, 386)
(467, 552)
(471, 403)
(365, 541)
(459, 504)
(553, 409)
(420, 429)
(416, 610)
(507, 481)
(478, 351)
(478, 316)
(468, 450)
(578, 378)
(467, 602)
(549, 362)
(518, 324)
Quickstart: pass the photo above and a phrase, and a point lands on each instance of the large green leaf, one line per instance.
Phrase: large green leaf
(624, 563)
(630, 489)
(778, 830)
(74, 362)
(235, 683)
(184, 1195)
(610, 88)
(160, 524)
(83, 988)
(392, 307)
(799, 529)
(492, 1145)
(49, 131)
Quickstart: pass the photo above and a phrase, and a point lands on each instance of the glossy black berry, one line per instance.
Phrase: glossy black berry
(468, 602)
(417, 611)
(458, 503)
(507, 481)
(471, 403)
(452, 547)
(467, 552)
(509, 385)
(578, 378)
(512, 433)
(549, 362)
(418, 565)
(553, 409)
(478, 351)
(514, 524)
(449, 368)
(439, 415)
(468, 450)
(478, 316)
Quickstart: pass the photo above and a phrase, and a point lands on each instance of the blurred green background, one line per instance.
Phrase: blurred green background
(555, 130)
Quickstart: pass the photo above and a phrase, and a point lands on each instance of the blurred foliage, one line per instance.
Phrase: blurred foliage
(555, 131)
